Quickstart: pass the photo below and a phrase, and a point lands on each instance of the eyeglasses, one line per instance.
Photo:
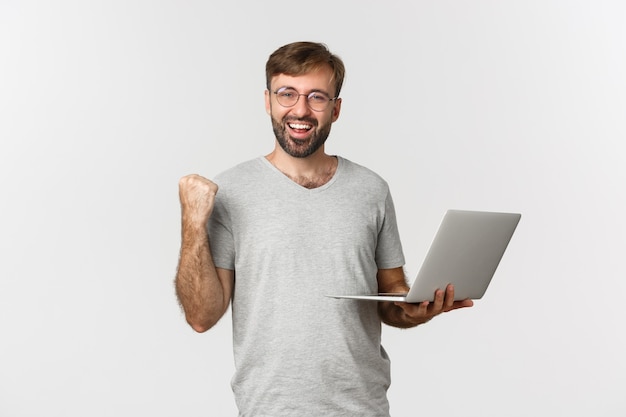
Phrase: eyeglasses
(317, 101)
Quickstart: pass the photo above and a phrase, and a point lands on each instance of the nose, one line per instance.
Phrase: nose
(301, 107)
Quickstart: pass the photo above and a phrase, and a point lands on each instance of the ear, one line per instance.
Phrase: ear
(336, 110)
(268, 105)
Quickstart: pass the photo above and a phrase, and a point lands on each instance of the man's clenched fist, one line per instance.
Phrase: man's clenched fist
(197, 198)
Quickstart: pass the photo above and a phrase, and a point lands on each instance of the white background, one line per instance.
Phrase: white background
(490, 105)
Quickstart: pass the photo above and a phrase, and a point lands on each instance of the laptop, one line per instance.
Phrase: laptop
(465, 252)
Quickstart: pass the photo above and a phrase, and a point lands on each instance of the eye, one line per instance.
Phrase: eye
(286, 93)
(318, 98)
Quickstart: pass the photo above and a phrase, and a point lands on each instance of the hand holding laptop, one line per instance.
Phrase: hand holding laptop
(444, 301)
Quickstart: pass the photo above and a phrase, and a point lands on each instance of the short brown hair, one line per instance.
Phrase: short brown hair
(300, 58)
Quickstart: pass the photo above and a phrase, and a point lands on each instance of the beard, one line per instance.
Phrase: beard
(296, 147)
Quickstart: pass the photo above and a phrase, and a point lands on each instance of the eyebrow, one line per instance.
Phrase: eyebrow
(315, 90)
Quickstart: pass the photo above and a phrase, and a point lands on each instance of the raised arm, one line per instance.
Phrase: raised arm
(405, 315)
(203, 291)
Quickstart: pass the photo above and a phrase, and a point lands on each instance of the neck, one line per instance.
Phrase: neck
(311, 172)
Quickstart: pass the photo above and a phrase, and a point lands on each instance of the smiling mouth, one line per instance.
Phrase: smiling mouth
(300, 126)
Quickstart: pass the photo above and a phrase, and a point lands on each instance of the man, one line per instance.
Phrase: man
(285, 230)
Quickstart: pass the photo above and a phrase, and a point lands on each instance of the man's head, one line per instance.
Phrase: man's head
(300, 58)
(303, 84)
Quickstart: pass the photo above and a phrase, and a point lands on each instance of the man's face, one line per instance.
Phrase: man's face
(299, 130)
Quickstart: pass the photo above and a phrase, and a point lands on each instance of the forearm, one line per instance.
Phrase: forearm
(393, 281)
(393, 315)
(202, 295)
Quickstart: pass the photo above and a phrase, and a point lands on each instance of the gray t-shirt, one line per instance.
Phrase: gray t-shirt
(297, 352)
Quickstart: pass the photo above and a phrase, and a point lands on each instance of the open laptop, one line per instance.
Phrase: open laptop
(465, 252)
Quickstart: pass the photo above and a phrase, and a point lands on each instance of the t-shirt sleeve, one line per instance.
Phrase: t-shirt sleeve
(389, 252)
(221, 239)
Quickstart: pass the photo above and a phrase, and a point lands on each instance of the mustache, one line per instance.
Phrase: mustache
(308, 120)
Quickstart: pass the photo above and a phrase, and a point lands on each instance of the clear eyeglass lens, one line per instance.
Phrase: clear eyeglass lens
(318, 101)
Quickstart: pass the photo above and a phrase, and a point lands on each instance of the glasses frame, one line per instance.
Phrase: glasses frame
(308, 103)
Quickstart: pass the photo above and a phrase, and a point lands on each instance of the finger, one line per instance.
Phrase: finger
(449, 301)
(425, 312)
(423, 308)
(438, 302)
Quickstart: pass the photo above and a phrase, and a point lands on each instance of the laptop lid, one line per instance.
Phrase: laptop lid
(465, 252)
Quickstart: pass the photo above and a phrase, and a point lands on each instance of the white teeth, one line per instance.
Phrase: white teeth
(299, 126)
